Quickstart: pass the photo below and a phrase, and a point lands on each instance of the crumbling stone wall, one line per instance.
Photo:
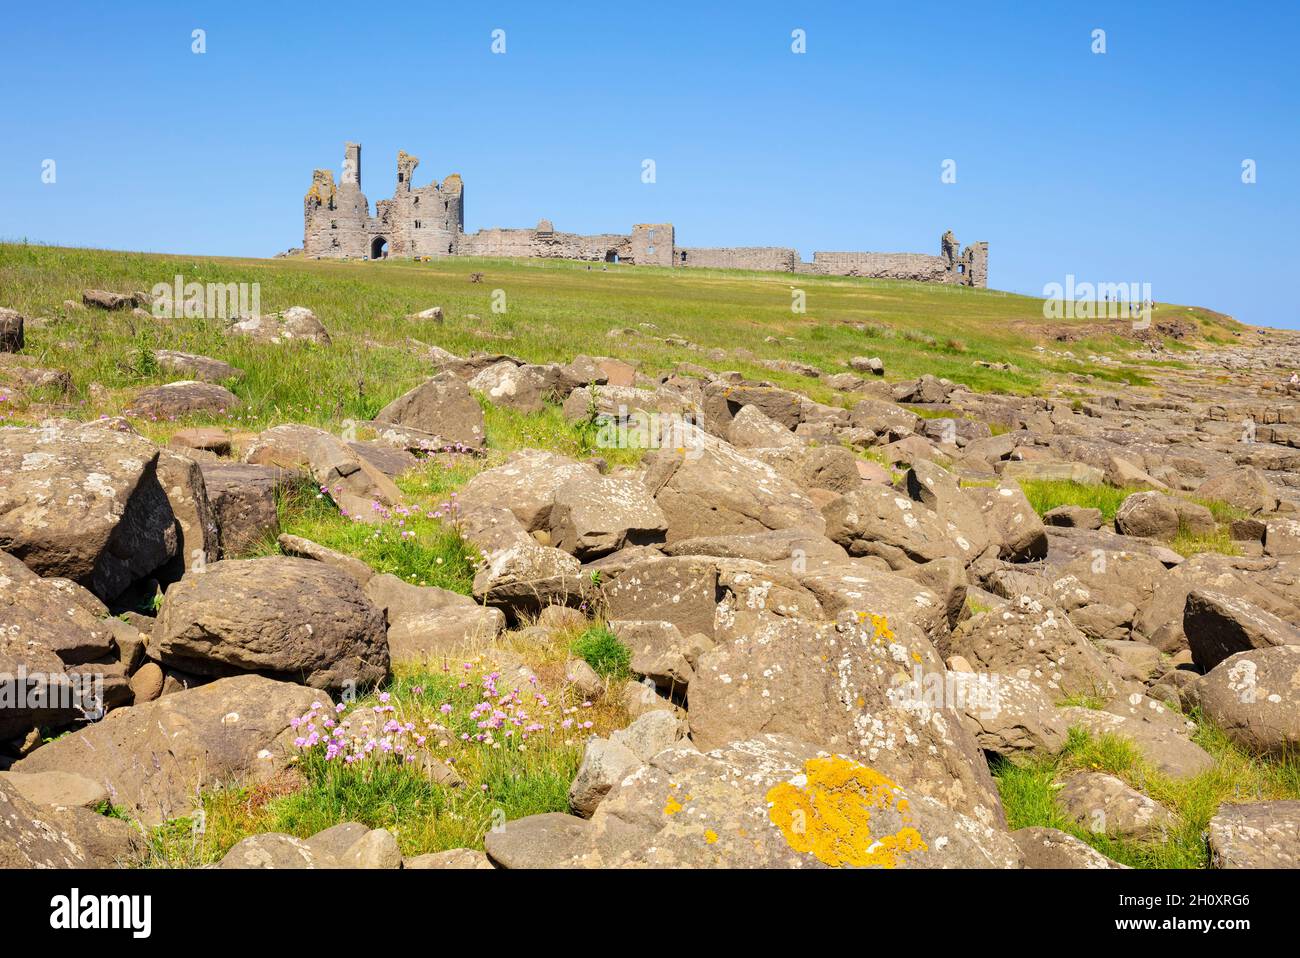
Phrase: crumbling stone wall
(429, 221)
(777, 258)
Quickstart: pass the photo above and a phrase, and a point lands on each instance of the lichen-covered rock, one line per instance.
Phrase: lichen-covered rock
(775, 802)
(244, 503)
(297, 324)
(425, 622)
(272, 850)
(867, 687)
(1104, 804)
(592, 516)
(522, 388)
(518, 573)
(1052, 848)
(1033, 639)
(286, 618)
(682, 591)
(878, 521)
(1256, 835)
(1015, 527)
(1254, 697)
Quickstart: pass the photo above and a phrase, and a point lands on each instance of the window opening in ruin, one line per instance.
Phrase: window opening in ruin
(683, 256)
(417, 224)
(379, 248)
(611, 257)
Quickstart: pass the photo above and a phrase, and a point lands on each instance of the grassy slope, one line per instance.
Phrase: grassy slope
(554, 310)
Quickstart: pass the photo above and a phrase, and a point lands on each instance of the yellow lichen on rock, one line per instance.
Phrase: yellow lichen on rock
(826, 812)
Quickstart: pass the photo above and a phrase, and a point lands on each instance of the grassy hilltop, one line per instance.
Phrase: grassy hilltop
(553, 310)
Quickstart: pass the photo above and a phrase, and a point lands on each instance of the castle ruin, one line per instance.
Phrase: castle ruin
(429, 221)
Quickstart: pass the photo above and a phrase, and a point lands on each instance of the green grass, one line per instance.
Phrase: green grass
(1028, 790)
(601, 649)
(413, 546)
(1047, 494)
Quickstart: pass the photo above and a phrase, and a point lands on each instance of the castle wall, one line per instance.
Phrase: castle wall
(429, 221)
(777, 258)
(914, 266)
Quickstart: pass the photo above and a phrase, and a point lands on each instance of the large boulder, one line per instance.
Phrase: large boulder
(682, 591)
(1219, 625)
(153, 758)
(935, 487)
(518, 573)
(30, 839)
(1254, 697)
(425, 622)
(54, 614)
(522, 388)
(867, 686)
(525, 484)
(11, 331)
(1243, 488)
(286, 618)
(200, 367)
(1055, 849)
(442, 406)
(1107, 806)
(88, 504)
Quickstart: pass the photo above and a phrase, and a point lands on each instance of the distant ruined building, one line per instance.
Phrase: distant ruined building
(429, 221)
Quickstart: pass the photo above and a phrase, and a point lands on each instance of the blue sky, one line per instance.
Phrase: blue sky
(1121, 167)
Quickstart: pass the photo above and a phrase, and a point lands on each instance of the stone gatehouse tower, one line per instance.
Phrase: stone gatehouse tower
(337, 224)
(430, 222)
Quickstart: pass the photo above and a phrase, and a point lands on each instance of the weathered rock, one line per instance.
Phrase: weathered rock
(1254, 697)
(604, 763)
(682, 591)
(708, 488)
(1256, 835)
(1160, 735)
(426, 622)
(858, 687)
(1244, 488)
(184, 398)
(332, 842)
(153, 757)
(1158, 516)
(1104, 804)
(200, 367)
(147, 683)
(1008, 715)
(594, 515)
(103, 299)
(376, 849)
(519, 574)
(51, 613)
(28, 839)
(301, 548)
(65, 789)
(86, 504)
(751, 428)
(1219, 625)
(522, 388)
(360, 490)
(459, 858)
(775, 802)
(1033, 639)
(442, 406)
(11, 330)
(525, 484)
(550, 840)
(1076, 517)
(1012, 522)
(583, 678)
(297, 324)
(877, 521)
(286, 618)
(244, 503)
(1052, 848)
(273, 850)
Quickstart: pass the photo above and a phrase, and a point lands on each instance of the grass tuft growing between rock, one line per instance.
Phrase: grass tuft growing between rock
(1028, 789)
(601, 649)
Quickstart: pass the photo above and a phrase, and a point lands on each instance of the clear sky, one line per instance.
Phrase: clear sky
(1117, 167)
